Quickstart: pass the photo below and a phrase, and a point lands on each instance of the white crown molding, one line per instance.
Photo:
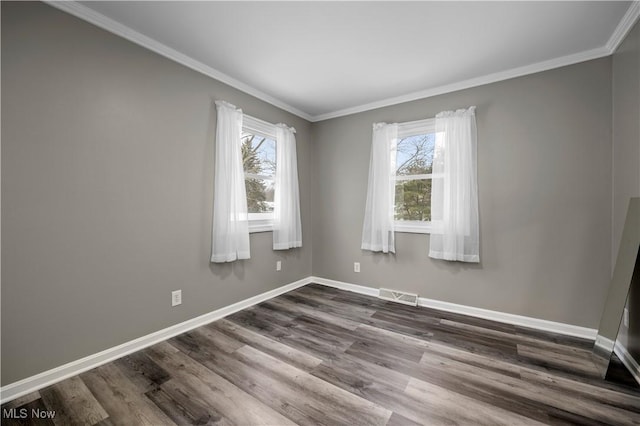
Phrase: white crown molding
(104, 22)
(538, 324)
(55, 375)
(625, 25)
(628, 361)
(473, 82)
(87, 14)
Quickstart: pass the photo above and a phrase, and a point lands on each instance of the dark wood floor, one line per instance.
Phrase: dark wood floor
(318, 355)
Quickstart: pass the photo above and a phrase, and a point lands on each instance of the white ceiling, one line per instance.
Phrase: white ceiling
(325, 59)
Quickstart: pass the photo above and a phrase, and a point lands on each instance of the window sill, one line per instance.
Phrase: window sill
(256, 226)
(412, 227)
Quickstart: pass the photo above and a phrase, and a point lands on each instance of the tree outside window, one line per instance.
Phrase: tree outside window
(414, 167)
(259, 162)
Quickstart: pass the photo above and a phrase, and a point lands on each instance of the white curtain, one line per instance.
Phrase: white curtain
(377, 231)
(454, 194)
(230, 239)
(287, 228)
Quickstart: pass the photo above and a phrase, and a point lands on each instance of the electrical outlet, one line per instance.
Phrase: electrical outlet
(176, 298)
(625, 317)
(279, 265)
(356, 266)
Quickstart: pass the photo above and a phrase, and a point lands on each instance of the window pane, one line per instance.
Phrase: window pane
(413, 200)
(259, 195)
(415, 155)
(258, 155)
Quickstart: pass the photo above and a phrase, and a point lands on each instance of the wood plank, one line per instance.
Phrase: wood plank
(320, 355)
(329, 291)
(345, 310)
(339, 406)
(549, 336)
(376, 389)
(350, 372)
(33, 412)
(457, 336)
(290, 306)
(23, 400)
(288, 401)
(306, 340)
(478, 360)
(272, 347)
(212, 390)
(521, 339)
(390, 350)
(275, 315)
(526, 391)
(53, 401)
(399, 420)
(619, 399)
(460, 409)
(221, 340)
(259, 319)
(423, 313)
(122, 399)
(73, 402)
(313, 291)
(442, 377)
(569, 363)
(142, 371)
(182, 408)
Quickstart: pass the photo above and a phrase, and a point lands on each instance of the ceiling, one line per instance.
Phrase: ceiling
(326, 59)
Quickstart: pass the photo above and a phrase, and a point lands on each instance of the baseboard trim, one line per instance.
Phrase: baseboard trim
(605, 345)
(628, 361)
(49, 377)
(521, 320)
(538, 324)
(355, 288)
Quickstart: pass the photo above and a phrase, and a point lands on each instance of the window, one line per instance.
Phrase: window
(259, 164)
(414, 175)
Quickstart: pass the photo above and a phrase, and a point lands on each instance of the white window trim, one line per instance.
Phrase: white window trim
(412, 226)
(259, 127)
(259, 222)
(405, 130)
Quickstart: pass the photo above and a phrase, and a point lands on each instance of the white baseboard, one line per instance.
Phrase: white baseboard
(355, 288)
(628, 361)
(604, 344)
(539, 324)
(49, 377)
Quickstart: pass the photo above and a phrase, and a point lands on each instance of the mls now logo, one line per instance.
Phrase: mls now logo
(23, 413)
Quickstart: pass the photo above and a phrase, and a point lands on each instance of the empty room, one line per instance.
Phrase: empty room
(320, 213)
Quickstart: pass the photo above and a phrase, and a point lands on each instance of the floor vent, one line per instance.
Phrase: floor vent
(398, 296)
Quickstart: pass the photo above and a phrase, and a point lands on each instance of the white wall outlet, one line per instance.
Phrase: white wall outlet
(356, 266)
(625, 317)
(279, 265)
(176, 298)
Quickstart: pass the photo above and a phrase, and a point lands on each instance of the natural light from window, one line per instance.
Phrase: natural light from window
(414, 161)
(259, 162)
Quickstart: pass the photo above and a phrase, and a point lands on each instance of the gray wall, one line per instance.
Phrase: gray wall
(107, 180)
(544, 172)
(107, 191)
(626, 162)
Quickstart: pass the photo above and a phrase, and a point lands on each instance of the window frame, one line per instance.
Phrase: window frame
(405, 130)
(259, 222)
